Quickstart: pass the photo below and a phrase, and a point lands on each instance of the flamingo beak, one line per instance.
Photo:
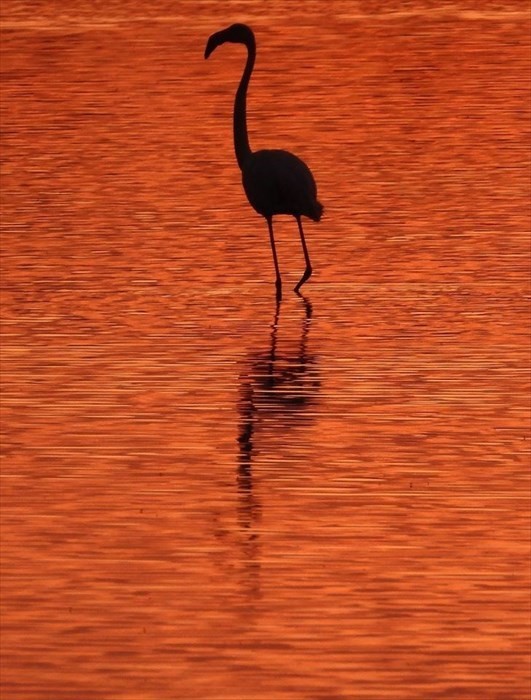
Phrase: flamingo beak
(213, 42)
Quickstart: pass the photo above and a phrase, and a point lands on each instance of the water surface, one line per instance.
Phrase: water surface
(209, 496)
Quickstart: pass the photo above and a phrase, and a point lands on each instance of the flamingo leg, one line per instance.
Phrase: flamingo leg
(278, 281)
(308, 270)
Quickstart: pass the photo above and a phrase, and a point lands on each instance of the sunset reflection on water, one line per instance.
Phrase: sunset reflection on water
(206, 494)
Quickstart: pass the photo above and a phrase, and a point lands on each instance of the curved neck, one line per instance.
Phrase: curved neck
(241, 138)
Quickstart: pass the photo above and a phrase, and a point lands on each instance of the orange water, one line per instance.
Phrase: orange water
(206, 497)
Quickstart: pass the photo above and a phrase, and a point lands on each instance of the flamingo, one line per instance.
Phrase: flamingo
(275, 181)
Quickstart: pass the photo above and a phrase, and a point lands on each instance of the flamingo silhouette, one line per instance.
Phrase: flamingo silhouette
(275, 181)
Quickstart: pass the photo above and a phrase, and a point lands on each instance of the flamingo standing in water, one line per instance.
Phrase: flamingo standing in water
(275, 181)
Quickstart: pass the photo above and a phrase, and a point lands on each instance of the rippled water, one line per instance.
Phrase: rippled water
(209, 496)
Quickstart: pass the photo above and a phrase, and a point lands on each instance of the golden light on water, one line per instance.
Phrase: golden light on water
(209, 496)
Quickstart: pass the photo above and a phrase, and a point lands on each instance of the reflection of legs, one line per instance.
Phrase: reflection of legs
(274, 328)
(307, 307)
(308, 270)
(278, 282)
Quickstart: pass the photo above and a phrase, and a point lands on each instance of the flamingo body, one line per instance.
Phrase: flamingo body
(275, 181)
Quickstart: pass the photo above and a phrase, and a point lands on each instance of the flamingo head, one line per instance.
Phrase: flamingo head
(235, 34)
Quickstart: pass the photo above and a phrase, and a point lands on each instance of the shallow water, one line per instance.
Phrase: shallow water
(207, 495)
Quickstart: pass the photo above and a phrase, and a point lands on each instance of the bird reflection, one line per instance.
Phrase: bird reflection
(276, 385)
